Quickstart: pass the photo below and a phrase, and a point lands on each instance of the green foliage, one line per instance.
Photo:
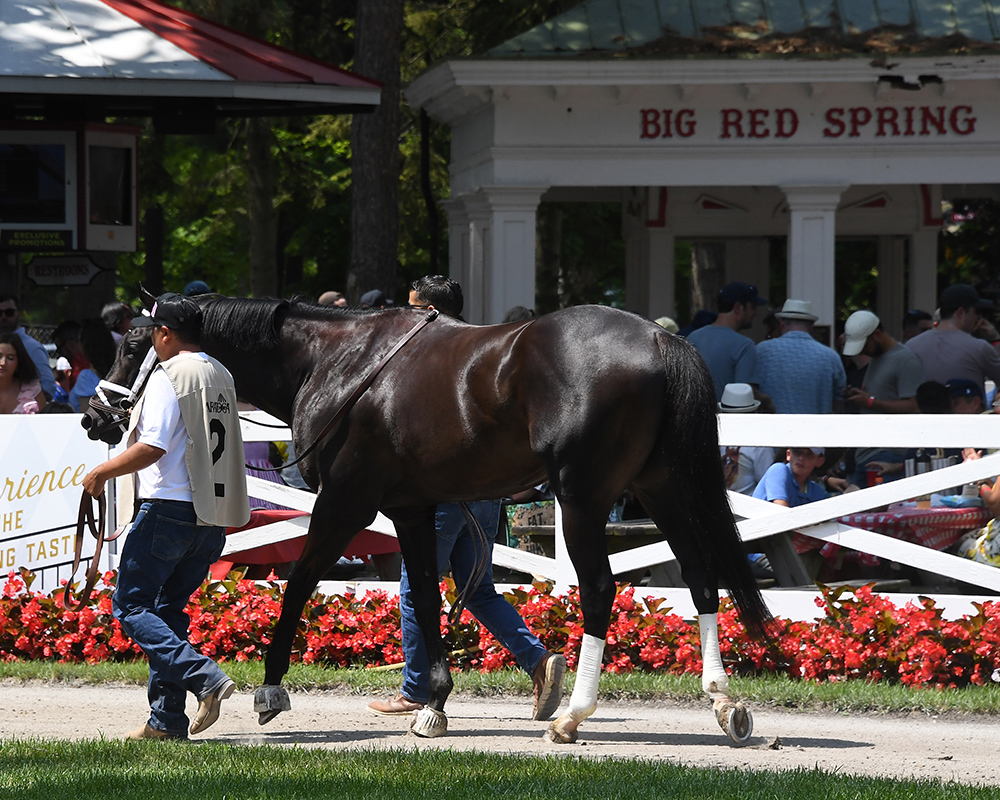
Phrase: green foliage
(201, 181)
(969, 248)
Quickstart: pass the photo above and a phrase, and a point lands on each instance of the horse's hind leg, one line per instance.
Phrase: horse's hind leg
(584, 531)
(418, 542)
(682, 517)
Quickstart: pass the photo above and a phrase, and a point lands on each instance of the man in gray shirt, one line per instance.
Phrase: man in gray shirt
(890, 387)
(950, 351)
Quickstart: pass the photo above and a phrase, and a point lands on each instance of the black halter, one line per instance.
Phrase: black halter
(117, 410)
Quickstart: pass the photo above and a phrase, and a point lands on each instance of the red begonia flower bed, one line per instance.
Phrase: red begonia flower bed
(862, 636)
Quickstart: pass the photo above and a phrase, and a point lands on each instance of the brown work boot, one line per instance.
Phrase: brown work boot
(397, 706)
(209, 707)
(147, 731)
(548, 681)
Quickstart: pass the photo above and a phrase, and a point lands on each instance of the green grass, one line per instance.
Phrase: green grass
(153, 770)
(773, 690)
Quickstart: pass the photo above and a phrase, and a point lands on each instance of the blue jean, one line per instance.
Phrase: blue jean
(458, 546)
(165, 558)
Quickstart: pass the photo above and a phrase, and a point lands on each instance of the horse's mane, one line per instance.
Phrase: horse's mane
(252, 324)
(246, 323)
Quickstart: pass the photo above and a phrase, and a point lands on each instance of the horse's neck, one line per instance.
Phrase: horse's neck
(255, 378)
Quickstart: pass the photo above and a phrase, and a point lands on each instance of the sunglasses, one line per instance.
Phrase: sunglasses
(9, 312)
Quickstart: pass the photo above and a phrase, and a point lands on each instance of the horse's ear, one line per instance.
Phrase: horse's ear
(147, 299)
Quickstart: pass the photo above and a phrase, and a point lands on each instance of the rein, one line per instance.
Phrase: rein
(96, 527)
(363, 387)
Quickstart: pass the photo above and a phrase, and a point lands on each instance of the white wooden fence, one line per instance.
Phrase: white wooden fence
(760, 519)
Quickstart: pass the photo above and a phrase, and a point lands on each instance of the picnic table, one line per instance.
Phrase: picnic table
(382, 548)
(937, 528)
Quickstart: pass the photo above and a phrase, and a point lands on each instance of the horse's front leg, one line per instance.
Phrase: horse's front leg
(588, 551)
(420, 602)
(325, 543)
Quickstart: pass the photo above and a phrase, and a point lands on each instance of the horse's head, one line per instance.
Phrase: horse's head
(107, 417)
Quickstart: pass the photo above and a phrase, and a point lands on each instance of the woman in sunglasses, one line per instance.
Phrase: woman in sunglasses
(20, 390)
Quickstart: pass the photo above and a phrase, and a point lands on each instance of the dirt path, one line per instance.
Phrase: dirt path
(952, 747)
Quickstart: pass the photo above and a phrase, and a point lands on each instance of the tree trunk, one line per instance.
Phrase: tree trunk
(708, 274)
(375, 155)
(153, 232)
(260, 206)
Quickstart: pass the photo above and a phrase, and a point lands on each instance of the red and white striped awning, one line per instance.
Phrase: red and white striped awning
(113, 58)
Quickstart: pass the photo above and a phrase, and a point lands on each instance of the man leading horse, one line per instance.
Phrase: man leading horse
(187, 452)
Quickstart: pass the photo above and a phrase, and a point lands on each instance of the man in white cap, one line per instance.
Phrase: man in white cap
(800, 375)
(890, 387)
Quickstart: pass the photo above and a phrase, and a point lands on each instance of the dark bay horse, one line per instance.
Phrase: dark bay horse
(594, 400)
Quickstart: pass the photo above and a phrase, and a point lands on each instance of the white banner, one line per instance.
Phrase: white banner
(43, 459)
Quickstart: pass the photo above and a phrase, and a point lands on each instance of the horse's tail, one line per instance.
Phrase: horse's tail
(690, 442)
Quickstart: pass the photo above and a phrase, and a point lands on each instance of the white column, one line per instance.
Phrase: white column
(811, 233)
(923, 269)
(467, 219)
(649, 254)
(508, 247)
(660, 281)
(891, 305)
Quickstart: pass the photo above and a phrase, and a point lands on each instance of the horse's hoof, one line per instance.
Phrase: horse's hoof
(737, 721)
(560, 731)
(428, 723)
(269, 701)
(265, 717)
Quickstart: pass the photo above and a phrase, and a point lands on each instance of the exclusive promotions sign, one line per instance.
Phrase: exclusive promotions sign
(43, 459)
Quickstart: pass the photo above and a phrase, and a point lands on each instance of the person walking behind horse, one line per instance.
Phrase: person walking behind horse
(187, 452)
(464, 550)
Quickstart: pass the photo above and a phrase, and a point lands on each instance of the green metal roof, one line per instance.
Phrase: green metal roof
(681, 27)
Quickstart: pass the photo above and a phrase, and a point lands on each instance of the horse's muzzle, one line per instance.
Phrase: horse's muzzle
(102, 426)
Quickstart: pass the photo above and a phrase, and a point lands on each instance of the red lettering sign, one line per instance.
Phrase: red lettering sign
(650, 123)
(732, 118)
(966, 125)
(686, 123)
(834, 118)
(887, 116)
(783, 123)
(787, 123)
(758, 123)
(928, 116)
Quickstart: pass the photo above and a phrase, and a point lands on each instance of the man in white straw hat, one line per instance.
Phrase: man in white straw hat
(801, 375)
(743, 466)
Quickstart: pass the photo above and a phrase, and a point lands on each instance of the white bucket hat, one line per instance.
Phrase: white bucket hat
(797, 309)
(737, 398)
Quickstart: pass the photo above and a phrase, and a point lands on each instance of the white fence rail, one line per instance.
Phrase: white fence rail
(760, 519)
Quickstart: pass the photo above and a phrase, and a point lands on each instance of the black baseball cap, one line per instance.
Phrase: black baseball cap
(961, 295)
(174, 311)
(736, 292)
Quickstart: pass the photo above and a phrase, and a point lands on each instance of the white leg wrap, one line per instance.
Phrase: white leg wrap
(714, 680)
(583, 702)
